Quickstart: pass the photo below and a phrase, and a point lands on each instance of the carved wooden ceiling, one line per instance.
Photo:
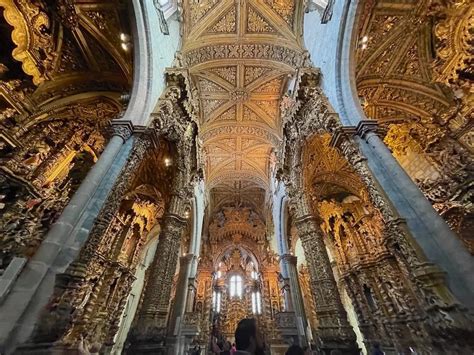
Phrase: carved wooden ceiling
(67, 46)
(327, 174)
(240, 54)
(394, 62)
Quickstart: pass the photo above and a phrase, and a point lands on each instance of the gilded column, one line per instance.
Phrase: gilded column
(149, 332)
(334, 330)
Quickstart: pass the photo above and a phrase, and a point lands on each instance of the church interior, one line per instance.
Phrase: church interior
(168, 168)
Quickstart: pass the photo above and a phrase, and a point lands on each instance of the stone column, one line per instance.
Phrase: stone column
(180, 300)
(436, 239)
(296, 297)
(62, 243)
(334, 330)
(62, 228)
(191, 294)
(149, 332)
(287, 297)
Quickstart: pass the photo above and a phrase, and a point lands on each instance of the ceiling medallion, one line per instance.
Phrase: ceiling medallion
(239, 95)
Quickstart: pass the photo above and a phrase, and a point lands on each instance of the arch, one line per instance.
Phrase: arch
(23, 37)
(243, 245)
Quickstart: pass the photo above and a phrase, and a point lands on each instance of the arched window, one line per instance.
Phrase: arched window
(256, 303)
(216, 301)
(236, 286)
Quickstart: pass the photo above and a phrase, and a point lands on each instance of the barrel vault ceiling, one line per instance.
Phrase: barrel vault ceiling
(240, 54)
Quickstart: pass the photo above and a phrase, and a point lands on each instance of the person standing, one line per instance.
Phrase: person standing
(248, 339)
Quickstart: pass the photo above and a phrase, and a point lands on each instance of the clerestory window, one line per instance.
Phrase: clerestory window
(236, 286)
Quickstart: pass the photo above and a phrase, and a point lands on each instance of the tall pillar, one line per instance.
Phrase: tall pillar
(296, 297)
(287, 296)
(334, 330)
(70, 313)
(149, 332)
(191, 294)
(179, 305)
(33, 288)
(181, 291)
(436, 239)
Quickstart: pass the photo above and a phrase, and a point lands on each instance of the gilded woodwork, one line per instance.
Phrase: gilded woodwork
(89, 297)
(413, 76)
(50, 156)
(228, 115)
(59, 89)
(345, 208)
(239, 54)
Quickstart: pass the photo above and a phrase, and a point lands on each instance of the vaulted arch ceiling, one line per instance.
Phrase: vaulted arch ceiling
(70, 47)
(394, 62)
(240, 54)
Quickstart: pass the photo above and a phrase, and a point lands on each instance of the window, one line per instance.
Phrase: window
(256, 303)
(216, 301)
(254, 275)
(236, 286)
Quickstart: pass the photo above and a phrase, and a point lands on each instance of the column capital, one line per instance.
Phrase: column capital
(367, 127)
(341, 134)
(289, 258)
(122, 129)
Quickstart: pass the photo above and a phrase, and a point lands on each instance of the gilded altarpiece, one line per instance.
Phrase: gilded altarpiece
(89, 297)
(361, 230)
(422, 97)
(62, 75)
(375, 274)
(237, 247)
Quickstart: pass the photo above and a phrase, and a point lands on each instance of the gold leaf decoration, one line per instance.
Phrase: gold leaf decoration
(257, 24)
(252, 73)
(226, 24)
(229, 74)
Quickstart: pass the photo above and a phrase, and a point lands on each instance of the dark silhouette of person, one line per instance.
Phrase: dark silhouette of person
(248, 339)
(294, 350)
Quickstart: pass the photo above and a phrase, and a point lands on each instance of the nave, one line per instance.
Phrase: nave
(169, 169)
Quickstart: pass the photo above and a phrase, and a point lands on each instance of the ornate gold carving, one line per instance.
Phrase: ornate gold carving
(454, 34)
(31, 34)
(277, 53)
(200, 9)
(360, 226)
(399, 84)
(254, 72)
(257, 24)
(226, 24)
(284, 8)
(250, 115)
(229, 115)
(227, 73)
